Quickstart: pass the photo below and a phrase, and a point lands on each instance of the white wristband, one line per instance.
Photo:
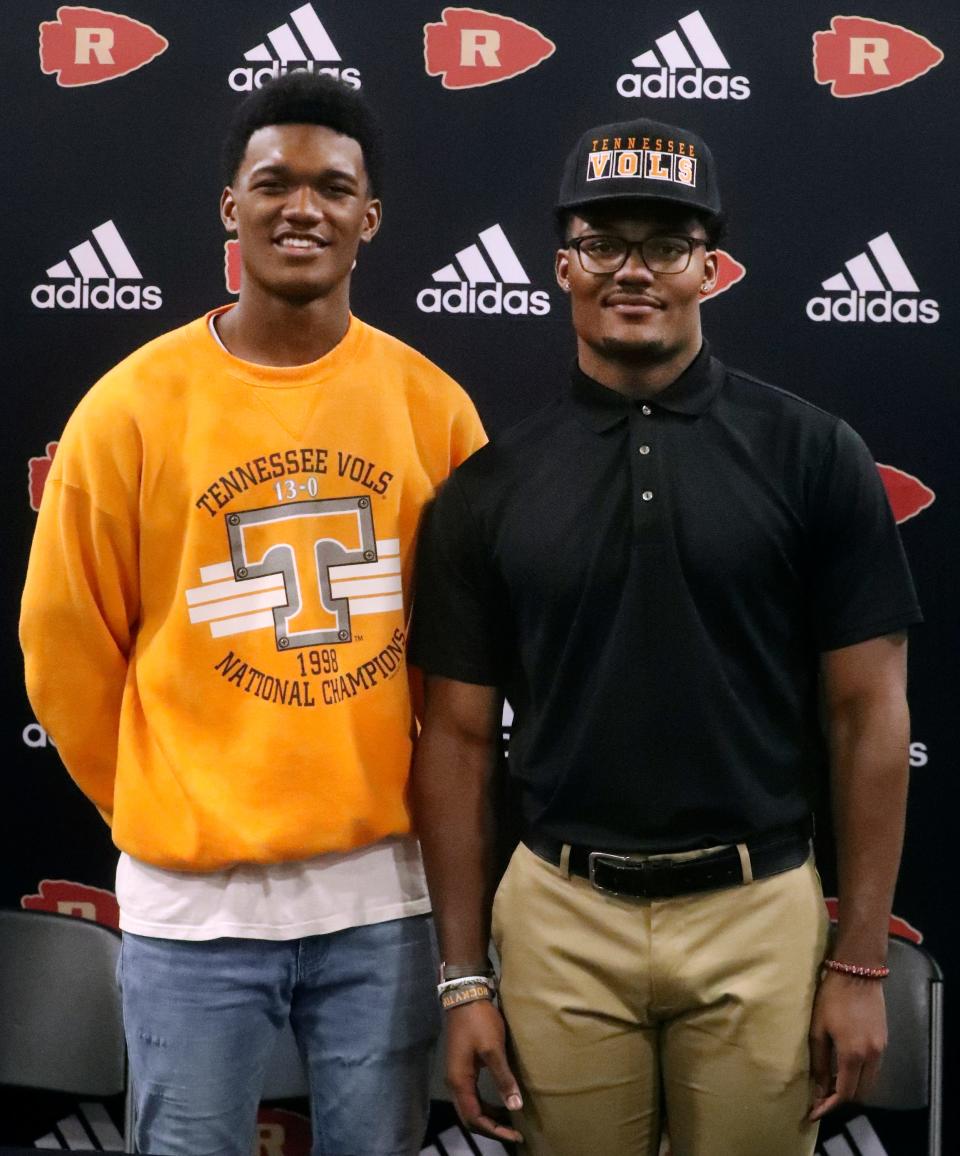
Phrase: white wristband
(467, 981)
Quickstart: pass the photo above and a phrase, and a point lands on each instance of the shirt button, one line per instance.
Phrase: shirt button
(646, 410)
(647, 495)
(644, 450)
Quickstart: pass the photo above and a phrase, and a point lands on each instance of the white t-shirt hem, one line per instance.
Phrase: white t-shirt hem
(275, 901)
(325, 926)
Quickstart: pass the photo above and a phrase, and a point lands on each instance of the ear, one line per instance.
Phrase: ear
(371, 220)
(561, 268)
(711, 269)
(228, 210)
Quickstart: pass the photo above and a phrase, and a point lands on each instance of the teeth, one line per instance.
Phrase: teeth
(298, 243)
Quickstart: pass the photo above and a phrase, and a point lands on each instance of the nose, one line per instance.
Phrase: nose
(303, 204)
(633, 269)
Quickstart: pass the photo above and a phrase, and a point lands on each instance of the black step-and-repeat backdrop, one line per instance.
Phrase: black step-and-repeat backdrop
(836, 135)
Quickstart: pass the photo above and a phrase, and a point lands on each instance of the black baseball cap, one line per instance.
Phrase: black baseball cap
(640, 160)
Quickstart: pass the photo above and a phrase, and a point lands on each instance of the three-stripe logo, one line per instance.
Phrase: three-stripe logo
(301, 43)
(477, 280)
(88, 278)
(690, 66)
(877, 286)
(858, 1138)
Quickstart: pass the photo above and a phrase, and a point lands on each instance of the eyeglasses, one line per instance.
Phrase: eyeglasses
(605, 253)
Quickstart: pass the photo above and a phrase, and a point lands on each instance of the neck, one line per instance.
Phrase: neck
(640, 373)
(268, 330)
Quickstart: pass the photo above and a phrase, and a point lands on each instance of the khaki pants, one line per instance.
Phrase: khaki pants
(705, 998)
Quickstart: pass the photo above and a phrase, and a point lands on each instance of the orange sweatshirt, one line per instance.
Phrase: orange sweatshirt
(216, 603)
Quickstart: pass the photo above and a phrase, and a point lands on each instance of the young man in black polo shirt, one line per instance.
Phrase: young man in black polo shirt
(670, 570)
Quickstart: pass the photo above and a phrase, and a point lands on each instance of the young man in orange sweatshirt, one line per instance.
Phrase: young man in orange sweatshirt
(214, 625)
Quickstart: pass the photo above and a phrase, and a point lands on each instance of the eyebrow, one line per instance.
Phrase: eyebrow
(279, 169)
(664, 232)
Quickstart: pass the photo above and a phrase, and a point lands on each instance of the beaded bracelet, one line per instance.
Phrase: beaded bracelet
(856, 969)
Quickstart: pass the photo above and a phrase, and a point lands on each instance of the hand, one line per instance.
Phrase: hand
(475, 1040)
(849, 1021)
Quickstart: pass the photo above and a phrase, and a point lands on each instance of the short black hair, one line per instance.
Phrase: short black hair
(306, 98)
(714, 224)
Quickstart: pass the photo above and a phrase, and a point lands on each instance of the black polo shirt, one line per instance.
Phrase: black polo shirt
(652, 584)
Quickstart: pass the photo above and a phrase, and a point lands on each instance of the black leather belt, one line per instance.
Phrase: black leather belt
(664, 877)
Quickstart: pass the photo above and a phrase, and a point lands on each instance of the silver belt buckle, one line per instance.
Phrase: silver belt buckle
(605, 857)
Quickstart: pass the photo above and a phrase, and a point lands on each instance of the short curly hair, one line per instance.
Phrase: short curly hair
(306, 98)
(714, 224)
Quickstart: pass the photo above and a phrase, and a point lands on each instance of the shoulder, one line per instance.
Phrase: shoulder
(790, 431)
(134, 381)
(761, 395)
(414, 372)
(496, 465)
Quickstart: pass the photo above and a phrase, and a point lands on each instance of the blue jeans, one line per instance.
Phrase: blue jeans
(201, 1020)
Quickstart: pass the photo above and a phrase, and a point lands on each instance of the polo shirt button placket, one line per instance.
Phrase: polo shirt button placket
(644, 450)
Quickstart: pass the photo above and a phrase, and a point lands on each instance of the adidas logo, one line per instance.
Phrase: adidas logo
(691, 66)
(105, 263)
(879, 288)
(473, 271)
(858, 1138)
(89, 1129)
(302, 44)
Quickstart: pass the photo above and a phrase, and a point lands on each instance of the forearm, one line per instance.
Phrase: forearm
(449, 797)
(869, 748)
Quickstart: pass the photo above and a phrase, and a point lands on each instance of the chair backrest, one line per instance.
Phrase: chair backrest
(60, 1018)
(286, 1078)
(910, 1066)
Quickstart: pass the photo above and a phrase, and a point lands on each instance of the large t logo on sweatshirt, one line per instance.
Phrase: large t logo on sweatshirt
(304, 568)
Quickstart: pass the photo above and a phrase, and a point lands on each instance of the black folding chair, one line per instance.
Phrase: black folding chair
(62, 1029)
(912, 1071)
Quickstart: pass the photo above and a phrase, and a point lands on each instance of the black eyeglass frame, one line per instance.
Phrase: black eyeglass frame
(691, 243)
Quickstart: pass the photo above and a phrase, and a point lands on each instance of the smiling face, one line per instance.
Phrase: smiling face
(634, 316)
(300, 205)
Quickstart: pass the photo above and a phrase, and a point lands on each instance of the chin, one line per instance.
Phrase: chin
(302, 292)
(635, 349)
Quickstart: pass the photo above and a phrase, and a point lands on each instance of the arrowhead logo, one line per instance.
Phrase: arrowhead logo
(729, 272)
(471, 47)
(861, 56)
(283, 1133)
(65, 897)
(898, 926)
(907, 494)
(89, 46)
(38, 469)
(231, 265)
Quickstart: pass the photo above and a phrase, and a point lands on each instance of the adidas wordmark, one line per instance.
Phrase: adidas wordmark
(300, 44)
(476, 288)
(101, 276)
(691, 66)
(879, 288)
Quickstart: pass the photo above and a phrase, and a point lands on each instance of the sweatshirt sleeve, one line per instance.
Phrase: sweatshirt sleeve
(468, 433)
(81, 600)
